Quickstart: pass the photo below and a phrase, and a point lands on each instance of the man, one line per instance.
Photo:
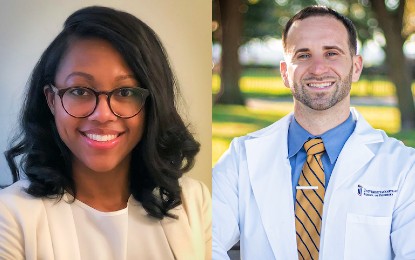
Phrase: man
(319, 183)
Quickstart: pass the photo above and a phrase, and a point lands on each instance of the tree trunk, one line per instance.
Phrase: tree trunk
(231, 17)
(398, 67)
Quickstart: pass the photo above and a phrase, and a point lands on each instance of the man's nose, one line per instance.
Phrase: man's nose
(318, 67)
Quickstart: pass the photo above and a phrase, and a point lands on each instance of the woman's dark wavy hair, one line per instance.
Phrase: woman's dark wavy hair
(167, 148)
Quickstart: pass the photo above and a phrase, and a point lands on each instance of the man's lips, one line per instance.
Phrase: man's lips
(320, 85)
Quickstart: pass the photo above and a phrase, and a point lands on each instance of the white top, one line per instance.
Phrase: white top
(122, 234)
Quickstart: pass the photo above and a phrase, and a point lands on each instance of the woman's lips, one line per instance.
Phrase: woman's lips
(101, 140)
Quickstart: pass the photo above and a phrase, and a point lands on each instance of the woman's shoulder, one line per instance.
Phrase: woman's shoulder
(193, 187)
(195, 197)
(16, 199)
(16, 189)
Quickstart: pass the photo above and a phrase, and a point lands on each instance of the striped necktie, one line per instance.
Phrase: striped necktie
(309, 201)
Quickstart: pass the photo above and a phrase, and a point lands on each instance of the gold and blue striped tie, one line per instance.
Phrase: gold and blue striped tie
(309, 201)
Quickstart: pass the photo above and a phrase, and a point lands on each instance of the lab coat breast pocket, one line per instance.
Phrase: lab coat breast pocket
(367, 237)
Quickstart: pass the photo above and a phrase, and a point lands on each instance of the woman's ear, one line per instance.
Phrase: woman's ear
(50, 98)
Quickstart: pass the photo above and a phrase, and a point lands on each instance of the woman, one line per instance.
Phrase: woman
(104, 151)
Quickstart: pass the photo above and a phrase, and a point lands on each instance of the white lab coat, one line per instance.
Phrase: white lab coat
(369, 205)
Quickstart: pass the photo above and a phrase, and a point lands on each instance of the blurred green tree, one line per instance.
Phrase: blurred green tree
(228, 16)
(392, 20)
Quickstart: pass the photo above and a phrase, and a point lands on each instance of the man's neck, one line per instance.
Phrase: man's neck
(317, 122)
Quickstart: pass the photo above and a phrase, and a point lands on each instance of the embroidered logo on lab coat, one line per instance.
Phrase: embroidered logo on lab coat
(367, 191)
(359, 190)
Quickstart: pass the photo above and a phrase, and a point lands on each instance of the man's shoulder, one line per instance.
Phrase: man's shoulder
(378, 141)
(278, 129)
(394, 145)
(280, 125)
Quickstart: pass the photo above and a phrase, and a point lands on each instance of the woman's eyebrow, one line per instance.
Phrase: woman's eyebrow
(81, 74)
(122, 77)
(91, 78)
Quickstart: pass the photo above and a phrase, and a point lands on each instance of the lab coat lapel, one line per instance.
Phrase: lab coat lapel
(179, 235)
(62, 229)
(355, 153)
(270, 177)
(353, 157)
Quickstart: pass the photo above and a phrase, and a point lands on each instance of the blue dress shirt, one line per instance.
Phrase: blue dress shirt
(333, 140)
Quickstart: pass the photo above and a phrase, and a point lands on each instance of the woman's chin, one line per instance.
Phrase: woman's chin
(101, 166)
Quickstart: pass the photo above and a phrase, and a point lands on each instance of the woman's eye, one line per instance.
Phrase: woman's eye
(125, 92)
(79, 92)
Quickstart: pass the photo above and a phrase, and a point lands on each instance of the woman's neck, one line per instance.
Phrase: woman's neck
(103, 191)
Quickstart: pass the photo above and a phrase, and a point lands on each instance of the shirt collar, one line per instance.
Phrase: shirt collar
(334, 139)
(297, 136)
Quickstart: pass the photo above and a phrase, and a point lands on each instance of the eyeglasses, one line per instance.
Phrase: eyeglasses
(81, 102)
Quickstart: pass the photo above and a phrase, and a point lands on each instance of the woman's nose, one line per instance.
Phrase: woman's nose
(102, 112)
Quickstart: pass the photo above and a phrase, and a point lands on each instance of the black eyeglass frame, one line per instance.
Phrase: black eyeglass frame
(60, 92)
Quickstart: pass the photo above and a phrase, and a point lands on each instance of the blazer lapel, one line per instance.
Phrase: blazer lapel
(270, 177)
(179, 236)
(62, 229)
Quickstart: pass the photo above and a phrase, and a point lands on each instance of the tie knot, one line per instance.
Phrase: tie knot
(314, 146)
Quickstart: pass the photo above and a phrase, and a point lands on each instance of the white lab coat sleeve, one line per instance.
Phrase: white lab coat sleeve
(403, 219)
(225, 209)
(11, 238)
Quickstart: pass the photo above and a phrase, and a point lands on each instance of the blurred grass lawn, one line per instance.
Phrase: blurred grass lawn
(257, 85)
(229, 121)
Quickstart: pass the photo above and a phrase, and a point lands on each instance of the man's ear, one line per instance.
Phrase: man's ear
(357, 67)
(283, 71)
(50, 98)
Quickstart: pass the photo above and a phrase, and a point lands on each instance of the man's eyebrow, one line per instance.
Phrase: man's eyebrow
(301, 50)
(334, 47)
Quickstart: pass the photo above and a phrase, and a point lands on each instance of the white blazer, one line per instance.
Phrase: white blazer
(369, 205)
(33, 228)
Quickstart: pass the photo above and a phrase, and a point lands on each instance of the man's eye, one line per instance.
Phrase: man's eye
(331, 54)
(303, 56)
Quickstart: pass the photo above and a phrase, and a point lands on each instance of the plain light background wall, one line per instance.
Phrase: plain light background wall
(184, 26)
